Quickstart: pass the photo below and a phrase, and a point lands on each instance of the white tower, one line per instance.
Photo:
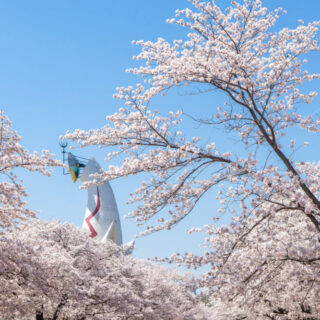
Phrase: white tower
(101, 217)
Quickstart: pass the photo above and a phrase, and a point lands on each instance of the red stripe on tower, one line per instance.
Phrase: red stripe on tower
(93, 232)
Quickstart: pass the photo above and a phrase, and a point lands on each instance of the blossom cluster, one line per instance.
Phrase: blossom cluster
(265, 262)
(50, 270)
(12, 156)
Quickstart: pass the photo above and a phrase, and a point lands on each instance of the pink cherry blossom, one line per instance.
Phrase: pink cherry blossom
(50, 270)
(12, 193)
(265, 263)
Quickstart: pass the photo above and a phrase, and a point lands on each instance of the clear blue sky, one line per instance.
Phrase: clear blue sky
(60, 62)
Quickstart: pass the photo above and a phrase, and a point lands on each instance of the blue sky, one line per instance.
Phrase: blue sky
(60, 62)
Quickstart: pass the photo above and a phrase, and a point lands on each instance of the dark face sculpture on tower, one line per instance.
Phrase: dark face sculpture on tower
(74, 166)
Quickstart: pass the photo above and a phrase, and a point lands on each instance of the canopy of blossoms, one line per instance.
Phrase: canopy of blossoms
(266, 261)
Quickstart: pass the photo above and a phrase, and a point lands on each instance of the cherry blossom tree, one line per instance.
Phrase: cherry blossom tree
(12, 193)
(50, 270)
(266, 262)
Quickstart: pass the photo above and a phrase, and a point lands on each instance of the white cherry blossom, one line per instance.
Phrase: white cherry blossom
(265, 262)
(12, 193)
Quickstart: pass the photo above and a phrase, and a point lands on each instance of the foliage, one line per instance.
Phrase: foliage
(57, 272)
(266, 262)
(12, 156)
